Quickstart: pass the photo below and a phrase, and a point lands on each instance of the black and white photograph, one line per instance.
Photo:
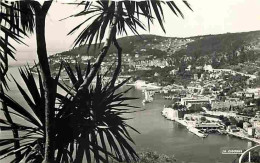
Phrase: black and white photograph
(129, 81)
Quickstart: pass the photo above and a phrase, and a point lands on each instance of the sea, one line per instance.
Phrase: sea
(161, 135)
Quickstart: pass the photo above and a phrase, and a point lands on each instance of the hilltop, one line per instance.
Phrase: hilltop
(218, 50)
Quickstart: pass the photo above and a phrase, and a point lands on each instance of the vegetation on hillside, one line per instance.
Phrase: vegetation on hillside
(219, 50)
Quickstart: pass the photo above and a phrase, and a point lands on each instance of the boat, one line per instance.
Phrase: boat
(147, 97)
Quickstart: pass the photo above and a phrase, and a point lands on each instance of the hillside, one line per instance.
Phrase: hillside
(218, 50)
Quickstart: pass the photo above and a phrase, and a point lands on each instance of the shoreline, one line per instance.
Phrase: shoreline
(189, 128)
(243, 137)
(235, 134)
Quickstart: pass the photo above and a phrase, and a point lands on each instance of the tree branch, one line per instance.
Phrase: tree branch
(46, 5)
(104, 50)
(119, 62)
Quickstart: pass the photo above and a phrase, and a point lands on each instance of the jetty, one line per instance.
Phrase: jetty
(197, 132)
(168, 113)
(193, 130)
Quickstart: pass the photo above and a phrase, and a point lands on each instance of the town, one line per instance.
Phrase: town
(212, 103)
(209, 100)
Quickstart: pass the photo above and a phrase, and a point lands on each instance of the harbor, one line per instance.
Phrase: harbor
(172, 137)
(168, 112)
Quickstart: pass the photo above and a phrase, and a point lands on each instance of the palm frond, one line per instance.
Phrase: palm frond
(31, 129)
(100, 14)
(96, 113)
(16, 19)
(89, 124)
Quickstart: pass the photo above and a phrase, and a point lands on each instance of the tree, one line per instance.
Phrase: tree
(203, 119)
(240, 123)
(182, 67)
(233, 121)
(214, 61)
(226, 121)
(258, 103)
(49, 87)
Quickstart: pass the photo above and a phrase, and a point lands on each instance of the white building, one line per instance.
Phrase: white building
(194, 100)
(251, 131)
(227, 104)
(85, 58)
(208, 68)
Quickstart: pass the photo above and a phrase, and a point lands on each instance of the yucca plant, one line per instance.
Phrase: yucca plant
(31, 131)
(89, 123)
(13, 27)
(93, 120)
(16, 19)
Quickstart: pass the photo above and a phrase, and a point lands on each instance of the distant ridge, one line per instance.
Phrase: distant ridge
(228, 48)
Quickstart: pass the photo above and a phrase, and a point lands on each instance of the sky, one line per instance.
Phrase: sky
(207, 17)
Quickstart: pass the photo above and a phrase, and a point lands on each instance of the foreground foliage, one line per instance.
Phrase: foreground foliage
(89, 124)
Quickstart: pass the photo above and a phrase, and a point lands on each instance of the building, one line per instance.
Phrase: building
(188, 68)
(221, 113)
(173, 72)
(232, 128)
(196, 77)
(246, 125)
(173, 114)
(254, 92)
(256, 124)
(194, 120)
(251, 132)
(208, 68)
(194, 100)
(227, 104)
(256, 121)
(207, 126)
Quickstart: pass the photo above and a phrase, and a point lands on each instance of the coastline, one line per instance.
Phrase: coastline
(239, 134)
(244, 137)
(182, 122)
